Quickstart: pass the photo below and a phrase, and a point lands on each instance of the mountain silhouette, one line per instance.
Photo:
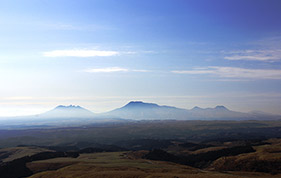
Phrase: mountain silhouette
(62, 116)
(70, 111)
(138, 110)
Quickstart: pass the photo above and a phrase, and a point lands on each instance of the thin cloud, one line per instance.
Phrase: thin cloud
(254, 55)
(80, 53)
(107, 70)
(234, 72)
(136, 70)
(112, 69)
(251, 58)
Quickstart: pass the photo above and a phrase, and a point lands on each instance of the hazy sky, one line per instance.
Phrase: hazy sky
(101, 54)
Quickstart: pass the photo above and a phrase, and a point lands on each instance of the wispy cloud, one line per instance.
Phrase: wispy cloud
(234, 72)
(136, 70)
(254, 55)
(107, 70)
(80, 53)
(112, 69)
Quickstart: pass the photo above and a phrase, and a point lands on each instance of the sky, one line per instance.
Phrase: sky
(101, 54)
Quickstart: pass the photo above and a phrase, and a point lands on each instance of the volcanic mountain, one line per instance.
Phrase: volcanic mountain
(218, 113)
(138, 110)
(70, 111)
(72, 115)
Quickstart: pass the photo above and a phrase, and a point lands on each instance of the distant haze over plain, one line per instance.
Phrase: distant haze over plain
(135, 110)
(104, 105)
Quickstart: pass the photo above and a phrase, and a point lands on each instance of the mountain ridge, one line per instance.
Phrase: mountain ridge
(75, 115)
(139, 110)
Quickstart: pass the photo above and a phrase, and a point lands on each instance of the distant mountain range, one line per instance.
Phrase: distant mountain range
(135, 110)
(138, 110)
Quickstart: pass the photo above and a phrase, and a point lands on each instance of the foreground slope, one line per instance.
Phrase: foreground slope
(267, 158)
(117, 165)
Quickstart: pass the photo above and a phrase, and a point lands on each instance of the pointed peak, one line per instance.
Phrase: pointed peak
(221, 107)
(196, 108)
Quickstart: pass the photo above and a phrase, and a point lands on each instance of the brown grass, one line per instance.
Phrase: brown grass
(118, 165)
(265, 157)
(19, 152)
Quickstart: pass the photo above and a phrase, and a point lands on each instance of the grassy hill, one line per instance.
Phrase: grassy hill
(117, 165)
(267, 158)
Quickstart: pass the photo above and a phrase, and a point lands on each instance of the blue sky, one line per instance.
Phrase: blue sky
(101, 54)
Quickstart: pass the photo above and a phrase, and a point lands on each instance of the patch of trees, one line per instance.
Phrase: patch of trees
(200, 160)
(17, 168)
(4, 155)
(93, 150)
(193, 146)
(144, 144)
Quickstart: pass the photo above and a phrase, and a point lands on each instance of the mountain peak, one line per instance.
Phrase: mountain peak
(135, 102)
(70, 111)
(220, 107)
(140, 104)
(196, 108)
(68, 107)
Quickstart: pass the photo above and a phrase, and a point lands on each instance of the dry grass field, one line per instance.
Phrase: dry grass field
(266, 159)
(118, 165)
(10, 154)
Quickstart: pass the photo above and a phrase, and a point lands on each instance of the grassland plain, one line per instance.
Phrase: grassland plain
(118, 165)
(114, 132)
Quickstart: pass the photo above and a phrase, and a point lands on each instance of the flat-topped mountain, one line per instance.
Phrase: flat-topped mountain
(138, 110)
(142, 105)
(139, 104)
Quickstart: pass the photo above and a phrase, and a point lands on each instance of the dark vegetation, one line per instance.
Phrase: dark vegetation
(194, 146)
(113, 134)
(3, 155)
(7, 170)
(17, 168)
(201, 160)
(144, 144)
